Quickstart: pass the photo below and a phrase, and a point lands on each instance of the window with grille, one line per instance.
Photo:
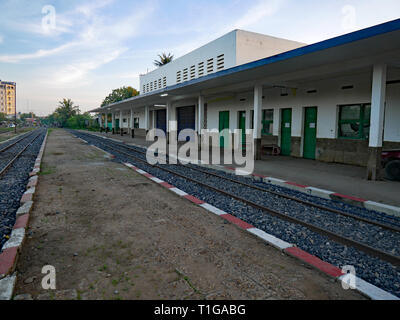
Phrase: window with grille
(192, 72)
(210, 65)
(354, 121)
(185, 74)
(267, 122)
(178, 77)
(201, 69)
(220, 62)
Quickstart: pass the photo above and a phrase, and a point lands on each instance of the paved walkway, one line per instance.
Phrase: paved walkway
(345, 179)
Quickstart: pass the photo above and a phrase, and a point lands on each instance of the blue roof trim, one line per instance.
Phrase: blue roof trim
(319, 46)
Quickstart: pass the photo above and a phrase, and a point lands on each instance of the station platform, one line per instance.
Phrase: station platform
(345, 179)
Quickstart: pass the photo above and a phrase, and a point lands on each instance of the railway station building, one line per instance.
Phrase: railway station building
(337, 100)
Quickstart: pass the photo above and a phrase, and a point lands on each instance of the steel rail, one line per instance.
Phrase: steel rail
(17, 156)
(393, 259)
(15, 142)
(318, 206)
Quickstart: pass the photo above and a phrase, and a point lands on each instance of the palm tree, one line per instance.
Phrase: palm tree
(164, 59)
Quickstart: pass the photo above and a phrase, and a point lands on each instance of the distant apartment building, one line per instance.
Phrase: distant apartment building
(7, 97)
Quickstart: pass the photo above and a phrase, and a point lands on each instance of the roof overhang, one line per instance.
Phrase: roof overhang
(357, 50)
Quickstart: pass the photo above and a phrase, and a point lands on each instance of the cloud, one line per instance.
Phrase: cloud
(256, 13)
(74, 72)
(42, 53)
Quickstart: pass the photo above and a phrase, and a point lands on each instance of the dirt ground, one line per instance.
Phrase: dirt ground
(113, 234)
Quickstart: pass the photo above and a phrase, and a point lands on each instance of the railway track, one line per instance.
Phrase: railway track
(335, 236)
(12, 155)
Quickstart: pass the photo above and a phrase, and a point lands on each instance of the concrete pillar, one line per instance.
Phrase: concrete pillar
(131, 120)
(106, 122)
(257, 121)
(120, 121)
(113, 122)
(147, 118)
(154, 118)
(374, 167)
(170, 117)
(100, 122)
(200, 118)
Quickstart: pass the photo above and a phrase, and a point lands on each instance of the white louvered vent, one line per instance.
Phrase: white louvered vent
(220, 62)
(164, 82)
(147, 87)
(151, 86)
(178, 77)
(200, 69)
(155, 85)
(185, 74)
(192, 72)
(210, 65)
(159, 83)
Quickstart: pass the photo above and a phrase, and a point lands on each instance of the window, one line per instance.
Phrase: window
(220, 62)
(136, 123)
(210, 65)
(354, 121)
(200, 69)
(267, 122)
(192, 72)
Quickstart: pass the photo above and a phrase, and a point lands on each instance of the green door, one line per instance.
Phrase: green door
(223, 124)
(116, 124)
(242, 125)
(286, 132)
(310, 133)
(109, 122)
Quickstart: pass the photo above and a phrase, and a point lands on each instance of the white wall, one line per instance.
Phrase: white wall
(225, 45)
(238, 47)
(254, 46)
(329, 95)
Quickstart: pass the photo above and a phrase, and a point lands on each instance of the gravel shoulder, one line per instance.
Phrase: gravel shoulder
(112, 234)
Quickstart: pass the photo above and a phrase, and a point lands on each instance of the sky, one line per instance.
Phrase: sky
(83, 49)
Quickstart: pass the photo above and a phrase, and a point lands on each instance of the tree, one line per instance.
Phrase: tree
(163, 59)
(65, 110)
(3, 117)
(24, 116)
(119, 94)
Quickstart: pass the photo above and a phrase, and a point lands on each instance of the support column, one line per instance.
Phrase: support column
(170, 117)
(113, 122)
(154, 119)
(257, 121)
(374, 166)
(106, 122)
(131, 123)
(147, 118)
(200, 118)
(100, 120)
(120, 122)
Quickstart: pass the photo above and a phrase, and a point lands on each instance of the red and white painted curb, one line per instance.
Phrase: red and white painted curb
(362, 286)
(12, 248)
